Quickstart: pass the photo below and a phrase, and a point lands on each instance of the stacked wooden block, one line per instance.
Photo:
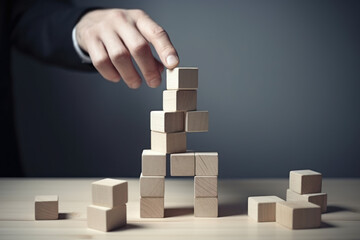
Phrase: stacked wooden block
(108, 209)
(303, 205)
(168, 136)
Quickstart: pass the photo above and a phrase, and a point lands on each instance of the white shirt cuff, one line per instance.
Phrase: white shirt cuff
(83, 56)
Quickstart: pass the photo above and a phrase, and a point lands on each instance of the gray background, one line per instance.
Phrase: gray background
(279, 78)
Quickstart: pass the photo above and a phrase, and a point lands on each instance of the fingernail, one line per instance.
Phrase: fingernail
(154, 83)
(172, 60)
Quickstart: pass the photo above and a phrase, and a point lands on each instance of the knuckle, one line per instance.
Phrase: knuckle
(140, 49)
(139, 12)
(100, 61)
(120, 56)
(117, 13)
(151, 74)
(158, 32)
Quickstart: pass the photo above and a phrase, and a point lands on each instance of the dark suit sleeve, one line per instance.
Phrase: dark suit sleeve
(43, 30)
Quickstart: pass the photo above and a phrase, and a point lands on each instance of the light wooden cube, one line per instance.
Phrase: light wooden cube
(205, 186)
(206, 163)
(179, 100)
(206, 207)
(153, 163)
(106, 219)
(316, 198)
(298, 215)
(305, 181)
(46, 207)
(109, 192)
(263, 208)
(152, 207)
(168, 142)
(197, 121)
(162, 121)
(182, 78)
(182, 164)
(152, 186)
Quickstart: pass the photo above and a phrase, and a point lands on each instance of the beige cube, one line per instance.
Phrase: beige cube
(182, 164)
(298, 215)
(161, 121)
(152, 186)
(46, 207)
(263, 208)
(106, 219)
(197, 121)
(316, 198)
(206, 163)
(168, 142)
(206, 207)
(182, 78)
(151, 207)
(305, 181)
(205, 186)
(179, 100)
(109, 192)
(153, 163)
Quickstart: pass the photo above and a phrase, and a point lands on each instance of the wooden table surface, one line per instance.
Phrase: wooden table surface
(342, 221)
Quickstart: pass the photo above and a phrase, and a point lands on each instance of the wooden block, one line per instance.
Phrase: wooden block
(151, 207)
(206, 207)
(179, 100)
(305, 181)
(182, 78)
(152, 186)
(161, 121)
(106, 219)
(168, 142)
(206, 164)
(298, 215)
(153, 163)
(182, 164)
(197, 121)
(205, 186)
(109, 192)
(319, 199)
(46, 207)
(263, 208)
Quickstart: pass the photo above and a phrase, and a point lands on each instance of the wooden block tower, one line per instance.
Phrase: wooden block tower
(168, 136)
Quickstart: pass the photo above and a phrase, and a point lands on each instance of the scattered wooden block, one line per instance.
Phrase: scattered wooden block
(205, 186)
(152, 186)
(151, 207)
(182, 164)
(305, 181)
(179, 100)
(206, 207)
(298, 215)
(161, 121)
(46, 207)
(109, 192)
(263, 208)
(197, 121)
(206, 163)
(319, 199)
(106, 219)
(168, 142)
(153, 163)
(182, 78)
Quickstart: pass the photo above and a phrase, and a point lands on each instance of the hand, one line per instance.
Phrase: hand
(113, 36)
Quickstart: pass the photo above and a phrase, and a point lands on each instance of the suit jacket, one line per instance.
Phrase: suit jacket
(41, 29)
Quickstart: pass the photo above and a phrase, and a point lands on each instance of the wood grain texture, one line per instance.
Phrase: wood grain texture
(205, 186)
(151, 207)
(182, 78)
(305, 181)
(109, 192)
(206, 163)
(206, 207)
(106, 219)
(46, 207)
(153, 163)
(152, 186)
(298, 214)
(182, 164)
(263, 208)
(168, 142)
(161, 121)
(179, 100)
(197, 121)
(316, 198)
